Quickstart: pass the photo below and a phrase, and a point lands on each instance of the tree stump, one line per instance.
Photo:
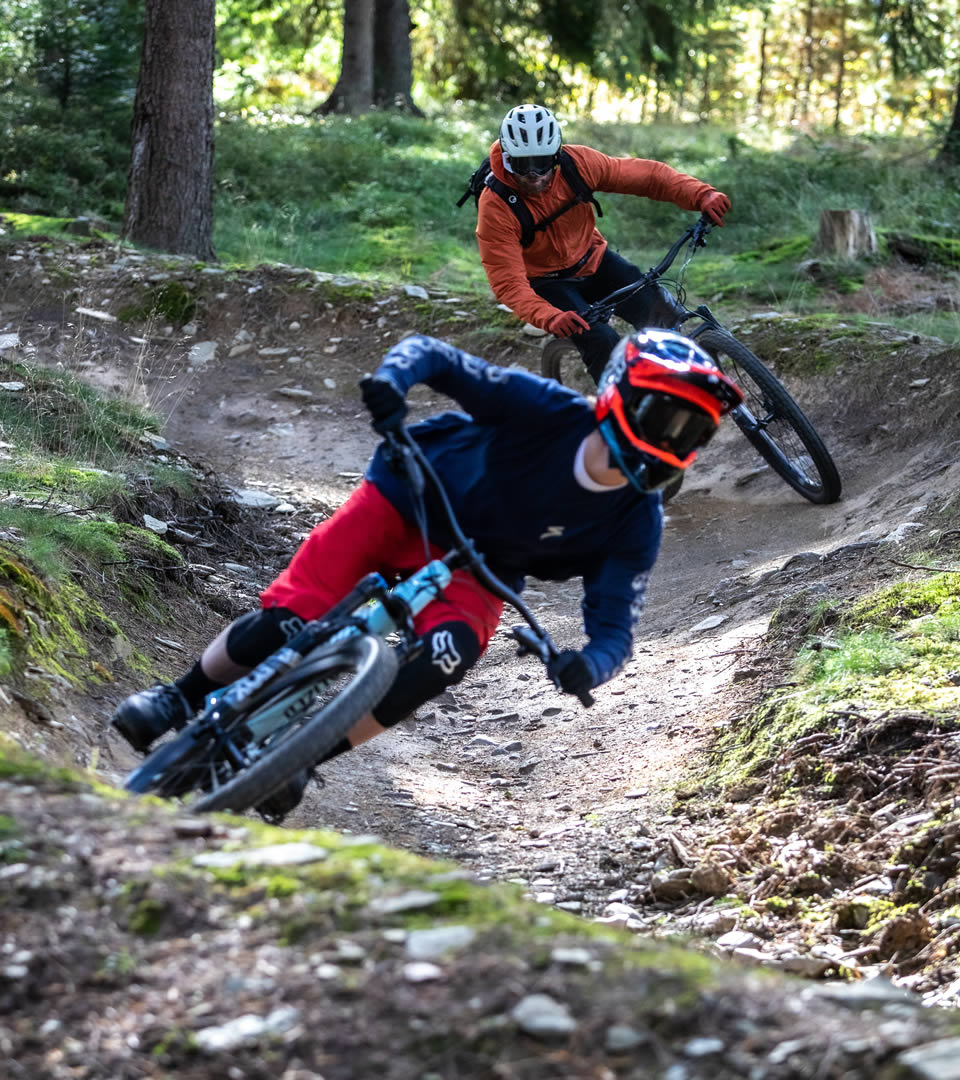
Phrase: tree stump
(847, 234)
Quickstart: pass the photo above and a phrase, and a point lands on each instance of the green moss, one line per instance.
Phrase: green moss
(923, 247)
(892, 606)
(172, 302)
(777, 250)
(147, 917)
(17, 765)
(50, 622)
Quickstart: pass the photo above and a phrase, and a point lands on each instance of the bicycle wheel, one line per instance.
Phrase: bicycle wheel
(773, 422)
(238, 766)
(561, 360)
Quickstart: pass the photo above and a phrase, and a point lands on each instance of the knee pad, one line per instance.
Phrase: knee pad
(450, 650)
(254, 636)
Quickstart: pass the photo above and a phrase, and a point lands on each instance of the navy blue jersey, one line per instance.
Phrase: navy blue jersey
(507, 464)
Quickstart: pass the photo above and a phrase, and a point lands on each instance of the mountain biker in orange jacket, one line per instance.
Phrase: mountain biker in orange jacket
(569, 265)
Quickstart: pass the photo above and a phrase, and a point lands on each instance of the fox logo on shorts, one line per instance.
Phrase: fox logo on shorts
(445, 654)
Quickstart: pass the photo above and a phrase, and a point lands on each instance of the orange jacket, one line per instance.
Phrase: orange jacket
(509, 266)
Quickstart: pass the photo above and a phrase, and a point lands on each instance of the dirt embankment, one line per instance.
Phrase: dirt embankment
(616, 813)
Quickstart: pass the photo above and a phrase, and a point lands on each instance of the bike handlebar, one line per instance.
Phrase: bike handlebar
(531, 638)
(601, 310)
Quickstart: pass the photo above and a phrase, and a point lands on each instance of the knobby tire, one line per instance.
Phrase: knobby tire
(823, 489)
(368, 662)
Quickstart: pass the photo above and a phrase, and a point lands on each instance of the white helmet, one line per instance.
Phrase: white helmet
(530, 132)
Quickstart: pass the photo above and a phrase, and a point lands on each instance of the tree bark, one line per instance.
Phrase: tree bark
(950, 151)
(170, 182)
(841, 66)
(392, 63)
(847, 234)
(353, 92)
(762, 73)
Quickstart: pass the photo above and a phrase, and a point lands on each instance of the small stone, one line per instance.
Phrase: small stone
(703, 1047)
(711, 622)
(710, 879)
(438, 940)
(295, 854)
(572, 957)
(421, 971)
(542, 1017)
(938, 1060)
(414, 900)
(155, 525)
(737, 939)
(622, 1037)
(202, 353)
(417, 291)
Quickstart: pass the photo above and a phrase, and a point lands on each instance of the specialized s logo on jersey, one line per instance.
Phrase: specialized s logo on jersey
(552, 532)
(445, 654)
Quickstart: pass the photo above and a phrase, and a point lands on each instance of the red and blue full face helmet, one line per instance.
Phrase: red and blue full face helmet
(659, 399)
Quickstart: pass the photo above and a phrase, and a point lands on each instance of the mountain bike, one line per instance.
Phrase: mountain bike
(294, 707)
(769, 417)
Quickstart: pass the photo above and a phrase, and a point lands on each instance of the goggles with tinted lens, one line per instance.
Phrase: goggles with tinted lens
(665, 425)
(538, 165)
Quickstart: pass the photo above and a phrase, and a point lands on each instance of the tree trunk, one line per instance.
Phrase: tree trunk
(170, 181)
(841, 66)
(392, 65)
(762, 73)
(807, 61)
(846, 233)
(354, 90)
(950, 151)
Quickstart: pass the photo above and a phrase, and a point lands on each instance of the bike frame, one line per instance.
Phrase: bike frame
(374, 617)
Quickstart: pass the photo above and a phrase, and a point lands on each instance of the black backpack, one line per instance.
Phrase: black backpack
(484, 177)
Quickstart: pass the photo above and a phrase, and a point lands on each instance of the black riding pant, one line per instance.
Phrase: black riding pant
(651, 306)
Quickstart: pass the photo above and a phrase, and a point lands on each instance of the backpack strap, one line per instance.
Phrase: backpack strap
(520, 209)
(579, 186)
(528, 227)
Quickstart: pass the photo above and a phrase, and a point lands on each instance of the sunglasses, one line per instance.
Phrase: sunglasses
(539, 165)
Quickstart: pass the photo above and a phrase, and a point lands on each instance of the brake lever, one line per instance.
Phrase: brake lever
(531, 643)
(401, 455)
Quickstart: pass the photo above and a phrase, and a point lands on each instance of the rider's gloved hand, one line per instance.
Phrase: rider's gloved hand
(570, 672)
(714, 206)
(384, 402)
(567, 323)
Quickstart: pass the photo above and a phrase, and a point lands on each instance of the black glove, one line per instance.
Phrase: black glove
(384, 402)
(570, 672)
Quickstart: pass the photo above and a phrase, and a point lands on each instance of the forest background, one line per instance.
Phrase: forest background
(345, 132)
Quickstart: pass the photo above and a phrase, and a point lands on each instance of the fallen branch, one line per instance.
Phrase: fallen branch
(928, 569)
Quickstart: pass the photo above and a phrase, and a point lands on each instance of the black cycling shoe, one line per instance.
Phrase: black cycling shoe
(147, 715)
(285, 799)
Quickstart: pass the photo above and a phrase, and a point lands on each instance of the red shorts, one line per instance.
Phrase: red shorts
(368, 534)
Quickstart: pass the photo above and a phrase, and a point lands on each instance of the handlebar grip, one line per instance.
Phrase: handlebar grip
(528, 641)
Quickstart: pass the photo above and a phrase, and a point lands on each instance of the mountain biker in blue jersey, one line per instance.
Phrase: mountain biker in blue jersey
(545, 482)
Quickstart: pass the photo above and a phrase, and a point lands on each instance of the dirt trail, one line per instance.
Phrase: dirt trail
(563, 808)
(261, 387)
